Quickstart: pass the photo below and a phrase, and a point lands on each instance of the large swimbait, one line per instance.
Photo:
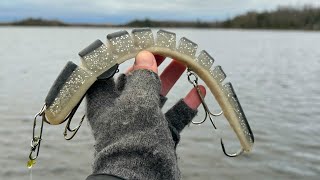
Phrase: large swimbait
(100, 61)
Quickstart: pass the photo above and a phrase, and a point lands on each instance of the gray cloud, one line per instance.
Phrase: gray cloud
(158, 9)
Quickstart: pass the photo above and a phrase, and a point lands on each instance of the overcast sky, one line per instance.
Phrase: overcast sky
(120, 11)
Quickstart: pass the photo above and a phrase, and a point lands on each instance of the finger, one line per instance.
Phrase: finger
(192, 99)
(142, 83)
(185, 110)
(163, 100)
(180, 115)
(170, 75)
(159, 59)
(145, 60)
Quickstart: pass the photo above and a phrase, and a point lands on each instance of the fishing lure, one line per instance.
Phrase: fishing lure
(101, 61)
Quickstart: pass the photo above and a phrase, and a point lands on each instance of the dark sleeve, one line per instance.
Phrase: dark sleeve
(103, 177)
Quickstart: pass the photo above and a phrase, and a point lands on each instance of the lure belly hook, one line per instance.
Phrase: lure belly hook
(100, 61)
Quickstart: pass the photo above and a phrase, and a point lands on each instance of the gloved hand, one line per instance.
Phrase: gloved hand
(133, 138)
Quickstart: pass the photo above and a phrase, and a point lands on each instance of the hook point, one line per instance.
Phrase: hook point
(228, 154)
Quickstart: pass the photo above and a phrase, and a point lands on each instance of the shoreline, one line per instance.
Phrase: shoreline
(305, 18)
(133, 27)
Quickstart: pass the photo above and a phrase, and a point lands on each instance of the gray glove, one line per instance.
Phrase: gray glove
(133, 138)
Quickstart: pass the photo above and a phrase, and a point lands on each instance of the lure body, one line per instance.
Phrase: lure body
(73, 81)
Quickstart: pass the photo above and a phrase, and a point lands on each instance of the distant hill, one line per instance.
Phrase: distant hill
(38, 22)
(305, 18)
(178, 24)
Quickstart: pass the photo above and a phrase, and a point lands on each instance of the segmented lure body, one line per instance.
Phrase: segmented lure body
(73, 82)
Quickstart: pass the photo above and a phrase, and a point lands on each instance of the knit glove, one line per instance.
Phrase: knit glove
(133, 138)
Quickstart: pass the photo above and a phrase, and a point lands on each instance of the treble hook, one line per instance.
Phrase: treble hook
(103, 77)
(69, 118)
(228, 154)
(208, 113)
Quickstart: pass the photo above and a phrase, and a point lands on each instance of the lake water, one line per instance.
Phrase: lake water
(275, 74)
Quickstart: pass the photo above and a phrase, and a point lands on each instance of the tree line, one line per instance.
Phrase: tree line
(307, 18)
(303, 18)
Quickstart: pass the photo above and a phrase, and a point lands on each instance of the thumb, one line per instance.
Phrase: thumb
(145, 60)
(143, 84)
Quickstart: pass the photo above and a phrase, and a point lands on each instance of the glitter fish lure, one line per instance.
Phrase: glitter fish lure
(101, 61)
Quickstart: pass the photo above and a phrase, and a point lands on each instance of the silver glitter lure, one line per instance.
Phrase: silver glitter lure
(100, 61)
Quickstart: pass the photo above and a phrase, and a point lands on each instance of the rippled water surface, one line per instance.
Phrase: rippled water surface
(275, 74)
